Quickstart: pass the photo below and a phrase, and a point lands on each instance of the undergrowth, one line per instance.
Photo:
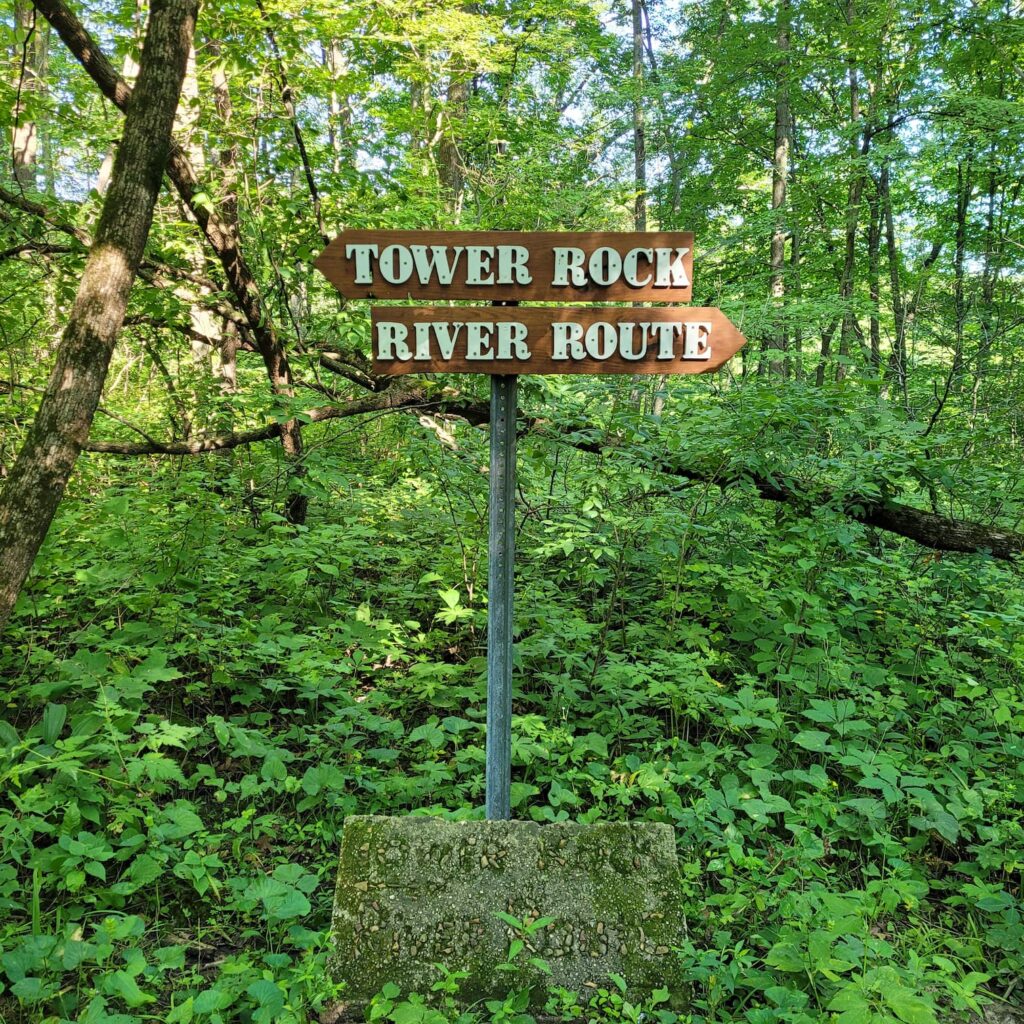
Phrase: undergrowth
(198, 693)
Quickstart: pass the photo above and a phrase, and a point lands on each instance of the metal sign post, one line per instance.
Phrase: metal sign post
(501, 548)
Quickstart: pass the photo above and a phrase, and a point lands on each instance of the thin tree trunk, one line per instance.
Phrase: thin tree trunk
(797, 350)
(639, 127)
(902, 310)
(228, 159)
(858, 149)
(339, 124)
(206, 326)
(779, 342)
(898, 358)
(129, 72)
(989, 275)
(291, 109)
(30, 60)
(874, 243)
(963, 201)
(449, 160)
(61, 426)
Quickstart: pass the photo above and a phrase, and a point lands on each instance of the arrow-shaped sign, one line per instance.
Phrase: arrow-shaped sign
(475, 339)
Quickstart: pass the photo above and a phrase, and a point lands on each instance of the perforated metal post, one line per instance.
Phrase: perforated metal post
(500, 589)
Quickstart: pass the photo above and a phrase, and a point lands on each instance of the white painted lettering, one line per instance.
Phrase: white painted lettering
(447, 335)
(478, 341)
(395, 264)
(601, 340)
(434, 259)
(479, 257)
(512, 335)
(512, 268)
(605, 266)
(626, 333)
(566, 336)
(630, 270)
(697, 344)
(391, 341)
(362, 253)
(666, 333)
(670, 272)
(569, 262)
(422, 341)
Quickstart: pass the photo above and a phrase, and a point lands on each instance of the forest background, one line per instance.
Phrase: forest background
(779, 608)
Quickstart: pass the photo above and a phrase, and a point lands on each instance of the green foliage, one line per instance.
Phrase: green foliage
(195, 703)
(197, 693)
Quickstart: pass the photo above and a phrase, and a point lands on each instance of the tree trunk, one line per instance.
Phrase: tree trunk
(61, 427)
(339, 125)
(449, 160)
(852, 215)
(30, 61)
(903, 309)
(859, 145)
(963, 201)
(797, 351)
(989, 275)
(898, 358)
(779, 342)
(205, 325)
(874, 242)
(639, 128)
(129, 72)
(228, 160)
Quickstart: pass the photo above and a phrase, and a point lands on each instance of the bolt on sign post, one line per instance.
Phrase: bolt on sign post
(505, 268)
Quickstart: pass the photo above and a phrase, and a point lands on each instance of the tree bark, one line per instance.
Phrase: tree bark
(30, 76)
(639, 127)
(964, 189)
(779, 341)
(339, 124)
(449, 160)
(989, 276)
(860, 142)
(874, 243)
(61, 426)
(903, 309)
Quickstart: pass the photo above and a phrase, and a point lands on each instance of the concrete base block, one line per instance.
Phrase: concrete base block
(414, 892)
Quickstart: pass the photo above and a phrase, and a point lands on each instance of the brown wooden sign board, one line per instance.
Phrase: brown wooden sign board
(512, 266)
(510, 340)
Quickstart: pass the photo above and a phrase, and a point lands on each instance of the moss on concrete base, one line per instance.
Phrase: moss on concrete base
(415, 892)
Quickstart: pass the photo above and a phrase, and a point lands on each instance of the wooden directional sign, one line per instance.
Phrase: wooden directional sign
(504, 340)
(511, 266)
(508, 267)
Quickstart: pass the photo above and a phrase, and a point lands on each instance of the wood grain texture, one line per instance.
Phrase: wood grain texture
(340, 269)
(723, 339)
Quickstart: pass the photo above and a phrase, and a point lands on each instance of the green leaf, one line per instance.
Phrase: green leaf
(786, 957)
(184, 820)
(274, 769)
(812, 739)
(53, 722)
(269, 997)
(182, 1013)
(910, 1008)
(280, 900)
(213, 999)
(125, 987)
